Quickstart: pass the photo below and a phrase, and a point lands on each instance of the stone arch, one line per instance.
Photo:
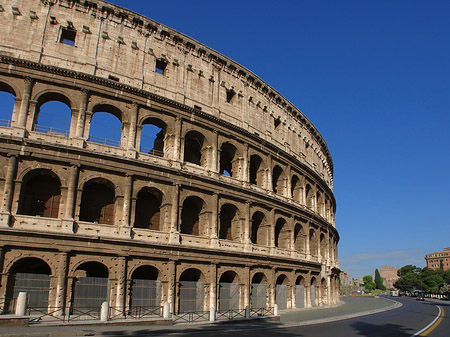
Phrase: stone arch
(259, 296)
(31, 275)
(191, 290)
(8, 95)
(300, 296)
(40, 194)
(229, 292)
(323, 246)
(229, 160)
(296, 188)
(193, 220)
(53, 112)
(313, 243)
(278, 180)
(195, 148)
(281, 291)
(260, 234)
(153, 136)
(320, 203)
(98, 201)
(229, 223)
(145, 287)
(90, 285)
(282, 234)
(148, 208)
(257, 171)
(314, 291)
(309, 197)
(299, 238)
(323, 291)
(109, 131)
(9, 88)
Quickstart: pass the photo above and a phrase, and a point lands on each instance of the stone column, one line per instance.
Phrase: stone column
(213, 302)
(125, 228)
(307, 241)
(215, 160)
(247, 226)
(121, 283)
(87, 124)
(70, 198)
(132, 129)
(245, 166)
(292, 234)
(3, 281)
(21, 122)
(272, 229)
(8, 191)
(62, 281)
(171, 285)
(288, 182)
(82, 114)
(308, 295)
(177, 141)
(214, 240)
(269, 184)
(272, 287)
(174, 234)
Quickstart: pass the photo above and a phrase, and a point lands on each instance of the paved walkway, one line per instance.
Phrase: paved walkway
(351, 307)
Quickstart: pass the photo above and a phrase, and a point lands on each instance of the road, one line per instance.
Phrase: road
(405, 321)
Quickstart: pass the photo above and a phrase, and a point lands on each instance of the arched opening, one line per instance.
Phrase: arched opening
(53, 114)
(324, 291)
(97, 202)
(258, 296)
(313, 249)
(153, 134)
(309, 197)
(40, 194)
(228, 291)
(90, 287)
(278, 180)
(194, 147)
(299, 239)
(30, 275)
(296, 189)
(260, 229)
(148, 213)
(256, 171)
(190, 216)
(192, 291)
(229, 228)
(300, 292)
(320, 203)
(228, 163)
(106, 125)
(282, 233)
(145, 289)
(323, 246)
(7, 102)
(281, 292)
(313, 291)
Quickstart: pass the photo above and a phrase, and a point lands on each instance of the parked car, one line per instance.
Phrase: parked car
(420, 298)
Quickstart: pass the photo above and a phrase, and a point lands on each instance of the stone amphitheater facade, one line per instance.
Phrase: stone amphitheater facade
(232, 207)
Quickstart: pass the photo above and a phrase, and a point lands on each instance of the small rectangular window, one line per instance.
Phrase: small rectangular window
(230, 95)
(160, 66)
(68, 36)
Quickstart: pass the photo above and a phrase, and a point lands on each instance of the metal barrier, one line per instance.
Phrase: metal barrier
(5, 122)
(135, 312)
(153, 152)
(50, 129)
(193, 316)
(104, 141)
(255, 312)
(39, 313)
(230, 314)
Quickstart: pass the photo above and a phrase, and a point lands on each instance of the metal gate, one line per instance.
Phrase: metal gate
(300, 296)
(228, 296)
(35, 285)
(313, 296)
(191, 296)
(281, 297)
(90, 292)
(145, 293)
(258, 296)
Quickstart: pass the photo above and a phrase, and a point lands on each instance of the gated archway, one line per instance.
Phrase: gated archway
(90, 287)
(192, 291)
(30, 275)
(258, 297)
(300, 292)
(228, 291)
(281, 292)
(145, 289)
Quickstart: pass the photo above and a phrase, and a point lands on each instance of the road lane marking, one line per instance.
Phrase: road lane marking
(430, 327)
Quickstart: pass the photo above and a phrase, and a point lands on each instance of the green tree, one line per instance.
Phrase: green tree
(431, 281)
(379, 281)
(408, 269)
(368, 283)
(409, 282)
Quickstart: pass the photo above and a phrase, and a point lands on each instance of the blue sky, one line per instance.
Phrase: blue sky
(374, 78)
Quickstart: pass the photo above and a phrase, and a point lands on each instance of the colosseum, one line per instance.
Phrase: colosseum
(217, 193)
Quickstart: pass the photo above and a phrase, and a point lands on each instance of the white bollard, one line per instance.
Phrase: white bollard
(21, 304)
(166, 310)
(247, 312)
(275, 309)
(104, 314)
(212, 314)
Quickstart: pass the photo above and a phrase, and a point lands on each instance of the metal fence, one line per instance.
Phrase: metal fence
(258, 296)
(104, 141)
(228, 296)
(192, 316)
(281, 296)
(50, 129)
(153, 152)
(5, 122)
(36, 286)
(191, 296)
(89, 292)
(300, 296)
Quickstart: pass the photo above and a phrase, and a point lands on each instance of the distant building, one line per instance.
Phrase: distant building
(437, 259)
(389, 275)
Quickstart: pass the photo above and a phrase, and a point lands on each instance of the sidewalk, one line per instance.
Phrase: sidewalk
(351, 307)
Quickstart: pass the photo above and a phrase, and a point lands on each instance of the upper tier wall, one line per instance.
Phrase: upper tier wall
(112, 42)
